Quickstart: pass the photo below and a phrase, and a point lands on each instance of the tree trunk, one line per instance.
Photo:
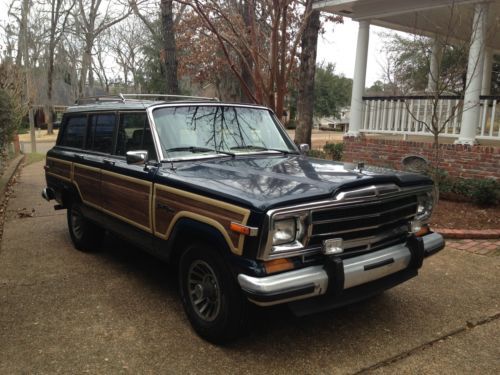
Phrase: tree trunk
(50, 79)
(307, 71)
(246, 71)
(86, 66)
(169, 56)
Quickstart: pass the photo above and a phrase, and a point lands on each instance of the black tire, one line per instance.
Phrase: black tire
(213, 302)
(86, 236)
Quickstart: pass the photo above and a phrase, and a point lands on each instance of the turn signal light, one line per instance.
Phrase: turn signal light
(277, 265)
(243, 229)
(423, 231)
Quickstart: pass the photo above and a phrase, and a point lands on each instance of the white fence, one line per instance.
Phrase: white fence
(409, 114)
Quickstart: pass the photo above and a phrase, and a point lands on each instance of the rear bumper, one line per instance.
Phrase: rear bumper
(48, 194)
(337, 277)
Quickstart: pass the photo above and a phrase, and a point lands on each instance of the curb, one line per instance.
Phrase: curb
(8, 174)
(476, 234)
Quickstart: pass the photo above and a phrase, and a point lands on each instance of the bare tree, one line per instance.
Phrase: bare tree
(126, 42)
(96, 17)
(59, 13)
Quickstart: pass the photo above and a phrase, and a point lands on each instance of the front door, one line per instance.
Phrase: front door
(127, 190)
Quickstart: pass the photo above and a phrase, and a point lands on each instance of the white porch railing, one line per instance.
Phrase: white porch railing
(409, 114)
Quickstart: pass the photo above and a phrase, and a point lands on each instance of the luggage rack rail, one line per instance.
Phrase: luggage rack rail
(122, 98)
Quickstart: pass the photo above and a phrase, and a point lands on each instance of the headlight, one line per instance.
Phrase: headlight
(284, 231)
(426, 203)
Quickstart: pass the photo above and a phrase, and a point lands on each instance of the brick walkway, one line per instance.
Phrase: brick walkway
(481, 247)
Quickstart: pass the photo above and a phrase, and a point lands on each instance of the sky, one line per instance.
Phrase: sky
(338, 46)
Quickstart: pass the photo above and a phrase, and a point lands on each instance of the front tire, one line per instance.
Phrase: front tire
(212, 300)
(86, 236)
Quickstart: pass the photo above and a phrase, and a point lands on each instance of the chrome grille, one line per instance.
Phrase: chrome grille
(364, 226)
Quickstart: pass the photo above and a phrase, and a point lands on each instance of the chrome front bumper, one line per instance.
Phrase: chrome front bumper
(314, 281)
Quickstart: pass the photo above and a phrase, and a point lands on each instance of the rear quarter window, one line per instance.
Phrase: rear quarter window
(74, 132)
(100, 133)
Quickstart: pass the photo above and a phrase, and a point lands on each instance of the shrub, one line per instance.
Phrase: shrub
(485, 192)
(334, 150)
(480, 191)
(317, 154)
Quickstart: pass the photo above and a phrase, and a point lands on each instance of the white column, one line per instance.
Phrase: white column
(470, 115)
(437, 51)
(487, 70)
(358, 84)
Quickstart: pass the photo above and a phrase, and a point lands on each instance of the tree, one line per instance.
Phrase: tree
(93, 21)
(59, 12)
(411, 62)
(264, 36)
(307, 71)
(332, 92)
(169, 51)
(164, 38)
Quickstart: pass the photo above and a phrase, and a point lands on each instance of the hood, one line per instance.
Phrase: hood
(264, 181)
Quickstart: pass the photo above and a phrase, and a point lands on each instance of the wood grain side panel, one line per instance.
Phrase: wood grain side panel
(173, 204)
(127, 198)
(59, 168)
(87, 180)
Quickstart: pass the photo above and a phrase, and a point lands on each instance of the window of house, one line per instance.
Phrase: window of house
(74, 132)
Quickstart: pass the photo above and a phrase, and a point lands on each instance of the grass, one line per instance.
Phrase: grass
(34, 158)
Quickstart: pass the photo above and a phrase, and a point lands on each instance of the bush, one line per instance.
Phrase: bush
(485, 192)
(334, 150)
(317, 154)
(480, 191)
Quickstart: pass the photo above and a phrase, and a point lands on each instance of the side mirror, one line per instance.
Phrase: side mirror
(304, 148)
(136, 157)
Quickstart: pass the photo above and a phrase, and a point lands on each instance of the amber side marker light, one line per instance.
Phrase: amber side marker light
(423, 231)
(243, 229)
(277, 265)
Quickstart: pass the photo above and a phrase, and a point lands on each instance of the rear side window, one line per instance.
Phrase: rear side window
(74, 132)
(100, 133)
(134, 134)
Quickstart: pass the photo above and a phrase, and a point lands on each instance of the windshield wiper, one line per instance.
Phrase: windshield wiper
(261, 148)
(196, 149)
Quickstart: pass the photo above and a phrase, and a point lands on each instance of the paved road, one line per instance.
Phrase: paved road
(117, 311)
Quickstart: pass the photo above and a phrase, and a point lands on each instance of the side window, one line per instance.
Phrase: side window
(100, 133)
(134, 134)
(74, 132)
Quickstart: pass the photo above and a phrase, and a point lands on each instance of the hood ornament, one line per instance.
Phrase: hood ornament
(361, 166)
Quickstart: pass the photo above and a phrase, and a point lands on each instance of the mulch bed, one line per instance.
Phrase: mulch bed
(464, 215)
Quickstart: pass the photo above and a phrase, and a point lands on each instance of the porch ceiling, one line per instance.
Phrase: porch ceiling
(449, 18)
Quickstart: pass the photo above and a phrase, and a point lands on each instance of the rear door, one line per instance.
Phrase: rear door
(127, 189)
(88, 164)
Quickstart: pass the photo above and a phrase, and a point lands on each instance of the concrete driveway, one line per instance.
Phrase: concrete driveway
(117, 311)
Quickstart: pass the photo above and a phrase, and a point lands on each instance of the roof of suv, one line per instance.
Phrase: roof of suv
(139, 105)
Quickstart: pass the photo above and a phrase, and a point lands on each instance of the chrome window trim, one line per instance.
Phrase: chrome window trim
(267, 250)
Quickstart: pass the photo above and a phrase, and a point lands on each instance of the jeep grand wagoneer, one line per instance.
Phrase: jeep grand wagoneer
(222, 192)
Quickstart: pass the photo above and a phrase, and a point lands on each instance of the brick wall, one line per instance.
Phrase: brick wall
(457, 160)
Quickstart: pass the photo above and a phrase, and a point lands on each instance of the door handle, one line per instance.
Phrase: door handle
(108, 162)
(79, 157)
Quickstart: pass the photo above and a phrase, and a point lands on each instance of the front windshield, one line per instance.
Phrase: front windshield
(191, 131)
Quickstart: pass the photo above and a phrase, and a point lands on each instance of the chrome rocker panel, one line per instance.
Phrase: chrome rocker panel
(313, 281)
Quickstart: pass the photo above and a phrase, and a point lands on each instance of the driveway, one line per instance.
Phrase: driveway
(117, 311)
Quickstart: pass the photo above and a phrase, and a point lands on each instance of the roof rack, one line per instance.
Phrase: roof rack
(132, 97)
(168, 96)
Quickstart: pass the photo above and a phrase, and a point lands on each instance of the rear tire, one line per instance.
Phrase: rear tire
(213, 302)
(86, 236)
